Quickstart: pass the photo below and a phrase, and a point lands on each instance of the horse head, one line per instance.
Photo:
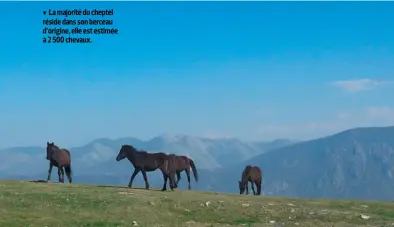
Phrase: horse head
(242, 187)
(50, 147)
(124, 150)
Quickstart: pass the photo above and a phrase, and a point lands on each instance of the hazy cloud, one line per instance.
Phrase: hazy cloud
(342, 120)
(359, 85)
(215, 135)
(384, 112)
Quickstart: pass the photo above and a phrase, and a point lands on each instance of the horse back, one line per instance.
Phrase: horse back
(180, 162)
(181, 159)
(252, 172)
(255, 172)
(62, 157)
(158, 158)
(68, 152)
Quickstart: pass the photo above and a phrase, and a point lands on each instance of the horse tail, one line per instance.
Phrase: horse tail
(69, 154)
(67, 168)
(259, 185)
(195, 174)
(68, 171)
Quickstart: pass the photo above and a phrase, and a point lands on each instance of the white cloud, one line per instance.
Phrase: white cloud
(306, 130)
(359, 85)
(215, 135)
(380, 112)
(343, 120)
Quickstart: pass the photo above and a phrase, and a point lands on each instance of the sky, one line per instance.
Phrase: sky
(251, 70)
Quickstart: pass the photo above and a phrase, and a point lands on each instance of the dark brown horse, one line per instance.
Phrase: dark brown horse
(147, 162)
(251, 174)
(183, 163)
(59, 157)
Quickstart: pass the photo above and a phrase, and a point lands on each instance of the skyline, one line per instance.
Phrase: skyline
(254, 71)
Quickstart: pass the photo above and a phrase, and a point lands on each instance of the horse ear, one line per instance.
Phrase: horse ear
(47, 143)
(52, 143)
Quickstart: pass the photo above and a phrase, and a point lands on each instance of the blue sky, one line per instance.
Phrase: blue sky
(256, 71)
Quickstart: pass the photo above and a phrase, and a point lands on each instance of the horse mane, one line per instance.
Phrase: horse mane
(130, 148)
(127, 146)
(68, 152)
(53, 145)
(58, 148)
(246, 171)
(247, 168)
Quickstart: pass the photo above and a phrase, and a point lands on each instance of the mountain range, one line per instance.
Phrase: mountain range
(353, 164)
(96, 159)
(357, 163)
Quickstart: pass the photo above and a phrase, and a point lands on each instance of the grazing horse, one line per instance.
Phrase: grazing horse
(147, 162)
(182, 163)
(250, 174)
(59, 157)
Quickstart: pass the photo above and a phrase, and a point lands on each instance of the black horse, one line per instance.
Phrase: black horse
(147, 162)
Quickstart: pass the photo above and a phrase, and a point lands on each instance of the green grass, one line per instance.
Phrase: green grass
(40, 204)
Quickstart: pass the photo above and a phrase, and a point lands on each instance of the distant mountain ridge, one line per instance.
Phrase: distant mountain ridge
(356, 163)
(99, 155)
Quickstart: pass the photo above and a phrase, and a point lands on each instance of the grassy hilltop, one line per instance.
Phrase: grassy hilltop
(25, 203)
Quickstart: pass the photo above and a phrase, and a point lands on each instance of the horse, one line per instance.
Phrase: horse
(250, 174)
(147, 162)
(59, 157)
(183, 163)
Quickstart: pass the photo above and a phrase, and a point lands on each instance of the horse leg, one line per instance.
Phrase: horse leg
(173, 183)
(61, 176)
(178, 177)
(254, 192)
(62, 171)
(165, 177)
(171, 178)
(49, 171)
(145, 179)
(188, 178)
(247, 188)
(132, 177)
(169, 175)
(258, 184)
(59, 173)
